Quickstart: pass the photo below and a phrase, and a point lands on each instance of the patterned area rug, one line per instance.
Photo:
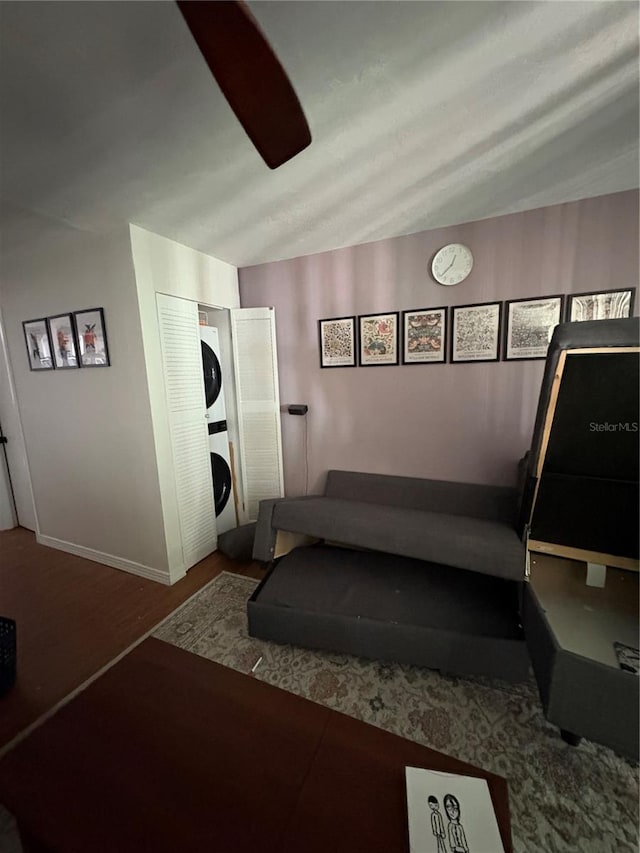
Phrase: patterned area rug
(562, 799)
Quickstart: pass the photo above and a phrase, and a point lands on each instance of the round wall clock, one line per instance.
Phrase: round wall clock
(452, 264)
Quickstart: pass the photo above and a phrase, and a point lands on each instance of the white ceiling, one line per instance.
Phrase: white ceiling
(422, 114)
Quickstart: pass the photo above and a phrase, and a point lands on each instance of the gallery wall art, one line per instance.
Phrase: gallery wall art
(92, 337)
(603, 305)
(36, 335)
(63, 340)
(337, 342)
(69, 340)
(424, 336)
(475, 332)
(514, 330)
(529, 325)
(378, 339)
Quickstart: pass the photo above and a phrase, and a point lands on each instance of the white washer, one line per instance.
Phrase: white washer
(212, 374)
(218, 435)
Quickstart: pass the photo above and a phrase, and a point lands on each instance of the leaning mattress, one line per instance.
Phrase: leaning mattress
(392, 608)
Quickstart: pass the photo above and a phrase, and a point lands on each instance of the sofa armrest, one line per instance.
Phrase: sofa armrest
(265, 537)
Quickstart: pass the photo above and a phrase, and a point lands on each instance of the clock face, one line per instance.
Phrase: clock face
(452, 264)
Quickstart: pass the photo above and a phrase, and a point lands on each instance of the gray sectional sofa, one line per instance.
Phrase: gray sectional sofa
(433, 573)
(411, 570)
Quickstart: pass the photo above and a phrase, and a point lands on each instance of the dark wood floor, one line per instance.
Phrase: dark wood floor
(75, 616)
(168, 752)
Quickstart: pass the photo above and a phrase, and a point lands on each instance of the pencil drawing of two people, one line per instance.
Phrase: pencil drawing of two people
(455, 832)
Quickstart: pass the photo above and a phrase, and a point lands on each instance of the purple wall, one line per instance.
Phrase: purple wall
(465, 422)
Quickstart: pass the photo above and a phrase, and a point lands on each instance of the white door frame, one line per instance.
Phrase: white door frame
(15, 447)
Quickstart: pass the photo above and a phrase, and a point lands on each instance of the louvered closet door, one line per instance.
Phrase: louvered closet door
(182, 365)
(255, 363)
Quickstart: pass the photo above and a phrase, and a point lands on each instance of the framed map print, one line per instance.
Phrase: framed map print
(337, 342)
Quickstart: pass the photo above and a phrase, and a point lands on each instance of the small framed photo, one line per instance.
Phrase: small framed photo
(600, 305)
(36, 335)
(529, 326)
(378, 339)
(475, 332)
(92, 337)
(63, 341)
(337, 342)
(424, 333)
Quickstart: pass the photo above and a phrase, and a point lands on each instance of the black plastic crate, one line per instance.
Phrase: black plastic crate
(7, 654)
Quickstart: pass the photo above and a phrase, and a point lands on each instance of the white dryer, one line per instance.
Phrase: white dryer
(218, 436)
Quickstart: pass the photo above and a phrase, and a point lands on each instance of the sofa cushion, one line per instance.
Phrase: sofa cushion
(497, 503)
(392, 608)
(477, 544)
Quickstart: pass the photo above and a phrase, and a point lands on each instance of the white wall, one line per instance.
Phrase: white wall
(7, 509)
(88, 432)
(164, 266)
(177, 270)
(461, 422)
(16, 452)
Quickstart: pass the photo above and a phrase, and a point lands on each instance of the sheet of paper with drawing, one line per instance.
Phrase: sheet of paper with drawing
(450, 814)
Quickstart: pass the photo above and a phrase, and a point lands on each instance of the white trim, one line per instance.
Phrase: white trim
(109, 560)
(10, 399)
(167, 292)
(253, 337)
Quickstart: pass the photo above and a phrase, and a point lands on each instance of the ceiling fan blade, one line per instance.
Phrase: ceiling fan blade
(250, 75)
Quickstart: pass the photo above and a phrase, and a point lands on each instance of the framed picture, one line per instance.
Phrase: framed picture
(63, 341)
(92, 337)
(378, 338)
(424, 333)
(600, 305)
(475, 332)
(529, 326)
(36, 335)
(337, 342)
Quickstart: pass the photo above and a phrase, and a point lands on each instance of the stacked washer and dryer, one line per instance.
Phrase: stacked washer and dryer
(218, 435)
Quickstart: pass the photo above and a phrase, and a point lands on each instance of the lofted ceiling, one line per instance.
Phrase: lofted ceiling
(423, 114)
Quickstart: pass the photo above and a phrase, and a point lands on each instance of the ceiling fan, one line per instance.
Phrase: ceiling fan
(250, 76)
